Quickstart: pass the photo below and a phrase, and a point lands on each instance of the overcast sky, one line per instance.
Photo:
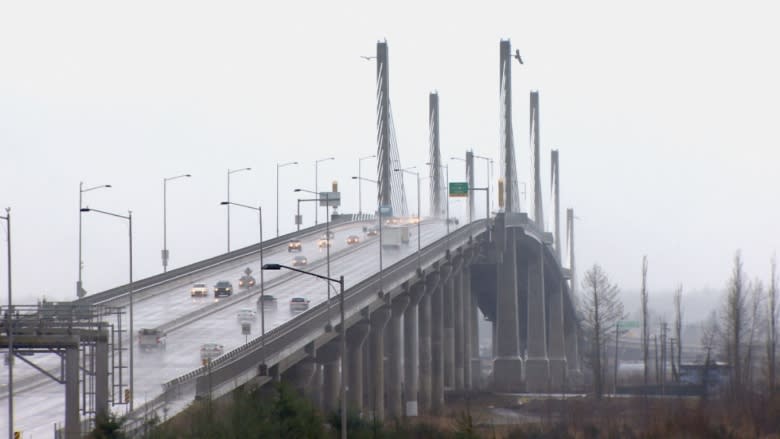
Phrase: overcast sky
(665, 114)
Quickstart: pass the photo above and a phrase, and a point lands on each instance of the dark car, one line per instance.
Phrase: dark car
(299, 261)
(372, 232)
(353, 239)
(266, 301)
(223, 288)
(246, 281)
(294, 245)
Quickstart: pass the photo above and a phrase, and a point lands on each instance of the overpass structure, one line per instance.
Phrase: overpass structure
(410, 315)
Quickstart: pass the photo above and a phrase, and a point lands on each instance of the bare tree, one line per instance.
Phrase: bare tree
(602, 310)
(756, 297)
(709, 334)
(771, 338)
(735, 319)
(678, 316)
(645, 321)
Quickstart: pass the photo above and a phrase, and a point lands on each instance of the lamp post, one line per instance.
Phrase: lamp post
(316, 185)
(129, 219)
(447, 197)
(488, 161)
(80, 292)
(359, 179)
(343, 336)
(360, 197)
(487, 209)
(379, 215)
(327, 235)
(259, 210)
(9, 330)
(419, 216)
(165, 253)
(229, 173)
(280, 165)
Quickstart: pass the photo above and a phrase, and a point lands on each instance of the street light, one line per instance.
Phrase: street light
(419, 215)
(327, 234)
(259, 210)
(279, 165)
(359, 178)
(343, 335)
(487, 209)
(10, 332)
(129, 219)
(488, 163)
(447, 195)
(229, 173)
(165, 253)
(316, 184)
(80, 292)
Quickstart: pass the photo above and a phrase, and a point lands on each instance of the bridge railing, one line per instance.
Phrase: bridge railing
(282, 337)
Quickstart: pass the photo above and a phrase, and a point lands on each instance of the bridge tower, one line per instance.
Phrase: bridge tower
(555, 189)
(438, 195)
(391, 187)
(534, 134)
(470, 180)
(508, 165)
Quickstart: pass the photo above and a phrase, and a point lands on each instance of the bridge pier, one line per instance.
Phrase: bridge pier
(376, 367)
(437, 341)
(356, 336)
(466, 303)
(411, 349)
(301, 374)
(476, 363)
(395, 372)
(328, 356)
(507, 366)
(537, 365)
(72, 417)
(101, 374)
(425, 326)
(574, 373)
(556, 342)
(448, 337)
(458, 323)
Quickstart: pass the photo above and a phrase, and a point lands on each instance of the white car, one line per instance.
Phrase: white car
(298, 304)
(246, 315)
(199, 290)
(210, 351)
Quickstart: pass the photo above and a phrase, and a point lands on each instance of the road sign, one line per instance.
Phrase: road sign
(332, 199)
(246, 329)
(628, 324)
(459, 189)
(298, 220)
(386, 210)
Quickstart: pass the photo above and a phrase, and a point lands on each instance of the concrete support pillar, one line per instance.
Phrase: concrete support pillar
(328, 356)
(556, 341)
(300, 375)
(424, 327)
(476, 363)
(101, 375)
(395, 371)
(72, 417)
(537, 365)
(466, 303)
(508, 366)
(448, 339)
(356, 336)
(437, 342)
(574, 373)
(314, 391)
(458, 324)
(412, 349)
(376, 366)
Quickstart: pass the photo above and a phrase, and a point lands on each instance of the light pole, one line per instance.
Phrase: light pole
(80, 292)
(259, 210)
(419, 215)
(487, 209)
(165, 253)
(488, 161)
(447, 197)
(9, 330)
(465, 177)
(316, 184)
(129, 219)
(280, 165)
(229, 173)
(343, 336)
(327, 235)
(360, 197)
(359, 178)
(379, 215)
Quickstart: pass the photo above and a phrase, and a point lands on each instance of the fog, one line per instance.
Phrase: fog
(665, 114)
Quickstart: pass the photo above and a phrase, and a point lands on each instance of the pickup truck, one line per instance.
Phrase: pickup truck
(199, 290)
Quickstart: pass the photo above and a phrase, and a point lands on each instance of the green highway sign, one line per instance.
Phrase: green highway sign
(459, 189)
(628, 324)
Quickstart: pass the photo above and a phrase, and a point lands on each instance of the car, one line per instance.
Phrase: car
(210, 351)
(294, 245)
(372, 232)
(199, 290)
(246, 281)
(300, 260)
(298, 304)
(393, 221)
(267, 301)
(151, 340)
(223, 288)
(246, 315)
(453, 221)
(353, 239)
(323, 242)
